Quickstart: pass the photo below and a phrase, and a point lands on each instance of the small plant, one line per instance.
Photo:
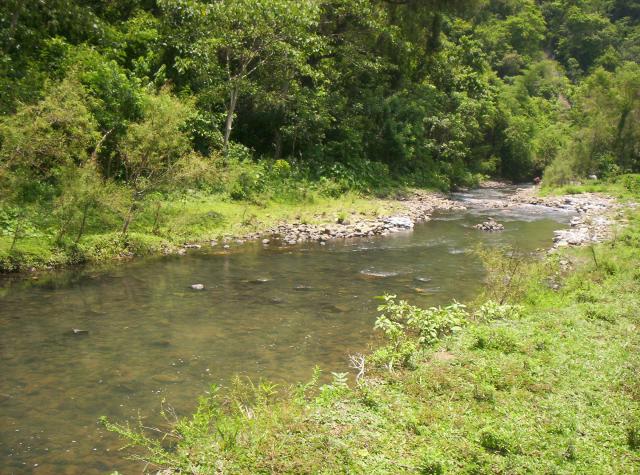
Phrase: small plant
(491, 310)
(429, 325)
(499, 339)
(507, 274)
(570, 452)
(431, 464)
(408, 328)
(601, 312)
(498, 441)
(338, 386)
(633, 437)
(484, 392)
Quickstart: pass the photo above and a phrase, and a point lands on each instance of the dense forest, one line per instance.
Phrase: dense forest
(111, 107)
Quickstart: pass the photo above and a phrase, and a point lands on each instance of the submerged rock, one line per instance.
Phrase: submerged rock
(197, 286)
(302, 287)
(167, 378)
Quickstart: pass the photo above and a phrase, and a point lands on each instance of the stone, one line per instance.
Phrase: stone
(402, 222)
(192, 246)
(167, 378)
(197, 286)
(265, 241)
(490, 225)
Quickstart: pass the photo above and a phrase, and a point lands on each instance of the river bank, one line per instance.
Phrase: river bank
(597, 217)
(190, 225)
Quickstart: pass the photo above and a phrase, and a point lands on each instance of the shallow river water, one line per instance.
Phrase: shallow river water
(265, 312)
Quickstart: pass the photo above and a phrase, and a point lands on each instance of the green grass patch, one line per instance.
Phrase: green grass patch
(161, 225)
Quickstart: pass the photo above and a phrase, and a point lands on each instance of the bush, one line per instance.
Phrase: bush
(631, 183)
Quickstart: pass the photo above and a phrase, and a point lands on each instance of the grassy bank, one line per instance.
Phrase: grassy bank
(163, 225)
(544, 382)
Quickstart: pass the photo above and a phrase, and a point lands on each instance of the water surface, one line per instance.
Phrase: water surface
(265, 312)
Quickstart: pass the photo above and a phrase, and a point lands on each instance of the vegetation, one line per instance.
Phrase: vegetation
(113, 112)
(538, 375)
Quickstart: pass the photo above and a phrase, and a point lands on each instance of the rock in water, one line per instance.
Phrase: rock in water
(399, 222)
(197, 286)
(490, 225)
(77, 331)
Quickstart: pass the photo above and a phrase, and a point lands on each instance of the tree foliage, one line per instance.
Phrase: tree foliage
(354, 93)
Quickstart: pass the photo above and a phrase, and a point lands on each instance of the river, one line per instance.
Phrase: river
(265, 312)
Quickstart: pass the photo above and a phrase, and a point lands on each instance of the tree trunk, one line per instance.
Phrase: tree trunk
(155, 229)
(85, 211)
(128, 218)
(277, 144)
(233, 99)
(16, 234)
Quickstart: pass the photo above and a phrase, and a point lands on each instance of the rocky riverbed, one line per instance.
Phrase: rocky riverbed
(597, 215)
(411, 209)
(596, 218)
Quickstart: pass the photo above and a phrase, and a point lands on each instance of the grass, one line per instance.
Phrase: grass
(189, 218)
(623, 187)
(547, 386)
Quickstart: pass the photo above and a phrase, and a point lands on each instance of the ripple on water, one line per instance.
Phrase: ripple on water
(378, 274)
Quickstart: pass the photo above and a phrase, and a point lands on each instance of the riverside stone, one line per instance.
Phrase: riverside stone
(491, 225)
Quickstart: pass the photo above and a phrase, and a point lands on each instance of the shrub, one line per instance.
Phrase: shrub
(429, 325)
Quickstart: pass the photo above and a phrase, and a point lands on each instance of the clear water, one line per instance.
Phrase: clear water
(265, 312)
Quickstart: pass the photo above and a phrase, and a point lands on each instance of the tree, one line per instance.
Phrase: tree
(227, 44)
(152, 147)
